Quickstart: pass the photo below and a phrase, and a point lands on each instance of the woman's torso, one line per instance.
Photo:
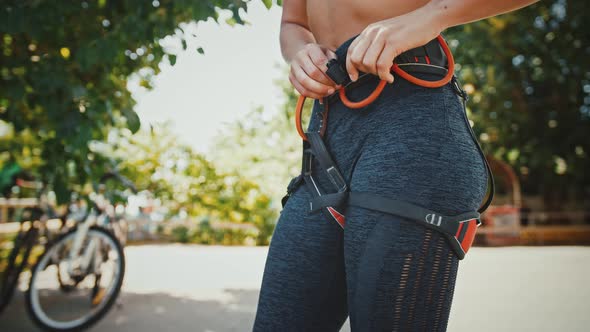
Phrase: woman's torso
(334, 21)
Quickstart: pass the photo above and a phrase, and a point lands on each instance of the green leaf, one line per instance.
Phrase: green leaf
(236, 15)
(231, 21)
(200, 50)
(53, 107)
(60, 187)
(133, 122)
(79, 140)
(267, 3)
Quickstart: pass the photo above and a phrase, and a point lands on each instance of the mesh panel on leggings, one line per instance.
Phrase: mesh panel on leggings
(403, 284)
(416, 292)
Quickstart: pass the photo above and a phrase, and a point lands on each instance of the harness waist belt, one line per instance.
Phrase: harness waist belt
(430, 55)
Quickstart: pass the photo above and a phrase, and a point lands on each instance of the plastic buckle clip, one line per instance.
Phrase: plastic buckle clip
(294, 183)
(336, 73)
(336, 179)
(307, 162)
(457, 85)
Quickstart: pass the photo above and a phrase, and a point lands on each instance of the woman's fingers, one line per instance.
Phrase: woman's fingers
(310, 79)
(355, 55)
(308, 72)
(385, 61)
(316, 67)
(329, 54)
(377, 56)
(369, 61)
(306, 86)
(302, 90)
(318, 57)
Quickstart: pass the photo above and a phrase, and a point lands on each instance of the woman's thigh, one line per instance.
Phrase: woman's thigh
(400, 274)
(303, 287)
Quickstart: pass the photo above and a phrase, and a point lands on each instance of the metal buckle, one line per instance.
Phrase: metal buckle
(336, 179)
(459, 90)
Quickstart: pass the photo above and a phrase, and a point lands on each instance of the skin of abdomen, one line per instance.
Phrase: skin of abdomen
(334, 21)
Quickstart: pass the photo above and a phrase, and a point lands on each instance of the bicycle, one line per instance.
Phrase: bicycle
(32, 222)
(89, 263)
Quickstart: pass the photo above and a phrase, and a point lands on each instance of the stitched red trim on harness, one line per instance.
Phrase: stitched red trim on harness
(337, 216)
(469, 236)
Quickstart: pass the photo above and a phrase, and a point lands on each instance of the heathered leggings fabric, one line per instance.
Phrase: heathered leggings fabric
(385, 272)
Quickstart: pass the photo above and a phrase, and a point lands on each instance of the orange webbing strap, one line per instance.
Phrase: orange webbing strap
(403, 74)
(299, 110)
(431, 84)
(371, 98)
(358, 104)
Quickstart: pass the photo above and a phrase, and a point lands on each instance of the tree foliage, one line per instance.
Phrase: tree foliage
(63, 72)
(528, 76)
(185, 181)
(263, 146)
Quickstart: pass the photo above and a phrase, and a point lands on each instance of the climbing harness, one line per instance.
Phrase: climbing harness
(431, 58)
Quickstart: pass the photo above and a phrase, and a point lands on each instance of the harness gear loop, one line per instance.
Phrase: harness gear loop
(299, 111)
(431, 84)
(365, 102)
(403, 74)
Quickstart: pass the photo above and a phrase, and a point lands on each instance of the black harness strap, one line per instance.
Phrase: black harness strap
(492, 186)
(458, 229)
(315, 149)
(293, 185)
(319, 151)
(337, 199)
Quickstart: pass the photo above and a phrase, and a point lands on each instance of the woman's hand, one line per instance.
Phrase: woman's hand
(374, 50)
(308, 69)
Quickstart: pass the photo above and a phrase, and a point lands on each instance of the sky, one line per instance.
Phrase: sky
(236, 73)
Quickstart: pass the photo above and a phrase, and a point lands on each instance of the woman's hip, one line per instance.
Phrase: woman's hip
(413, 143)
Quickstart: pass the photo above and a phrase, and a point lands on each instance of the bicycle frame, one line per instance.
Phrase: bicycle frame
(90, 254)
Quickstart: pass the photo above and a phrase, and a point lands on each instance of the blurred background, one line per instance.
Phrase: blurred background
(170, 125)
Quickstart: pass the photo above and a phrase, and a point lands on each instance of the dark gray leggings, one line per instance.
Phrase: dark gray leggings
(386, 272)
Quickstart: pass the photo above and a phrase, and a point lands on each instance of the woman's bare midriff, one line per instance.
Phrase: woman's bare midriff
(332, 22)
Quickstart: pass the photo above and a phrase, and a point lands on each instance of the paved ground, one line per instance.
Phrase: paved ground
(215, 289)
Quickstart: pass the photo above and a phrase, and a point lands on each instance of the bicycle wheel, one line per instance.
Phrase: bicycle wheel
(96, 273)
(119, 228)
(66, 282)
(17, 260)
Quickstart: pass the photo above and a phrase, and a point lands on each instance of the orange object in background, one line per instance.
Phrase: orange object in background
(501, 225)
